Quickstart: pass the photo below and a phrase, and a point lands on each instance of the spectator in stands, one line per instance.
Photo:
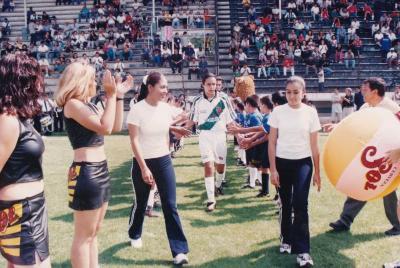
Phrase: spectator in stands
(356, 46)
(288, 64)
(336, 107)
(368, 12)
(119, 65)
(193, 69)
(358, 99)
(272, 64)
(261, 67)
(245, 70)
(315, 12)
(42, 50)
(59, 67)
(84, 13)
(374, 28)
(378, 38)
(392, 58)
(386, 44)
(97, 61)
(242, 57)
(321, 80)
(44, 65)
(6, 27)
(190, 53)
(203, 66)
(176, 62)
(156, 54)
(349, 60)
(347, 103)
(165, 54)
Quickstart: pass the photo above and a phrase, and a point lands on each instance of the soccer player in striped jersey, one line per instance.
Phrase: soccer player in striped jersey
(212, 113)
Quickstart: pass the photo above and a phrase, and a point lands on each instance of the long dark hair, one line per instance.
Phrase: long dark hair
(152, 79)
(21, 82)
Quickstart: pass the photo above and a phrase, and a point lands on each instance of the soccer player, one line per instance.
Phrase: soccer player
(212, 113)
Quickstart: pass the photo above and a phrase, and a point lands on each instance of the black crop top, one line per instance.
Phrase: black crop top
(25, 162)
(79, 136)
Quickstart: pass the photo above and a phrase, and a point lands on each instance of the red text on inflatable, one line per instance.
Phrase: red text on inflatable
(377, 167)
(7, 218)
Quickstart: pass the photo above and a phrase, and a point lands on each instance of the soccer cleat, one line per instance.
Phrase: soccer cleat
(395, 264)
(338, 226)
(211, 206)
(262, 194)
(136, 243)
(285, 248)
(219, 191)
(247, 186)
(304, 260)
(181, 259)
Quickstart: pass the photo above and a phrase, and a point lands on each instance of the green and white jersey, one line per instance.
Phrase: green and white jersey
(213, 114)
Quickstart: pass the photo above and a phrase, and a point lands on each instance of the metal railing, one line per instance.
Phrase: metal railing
(216, 38)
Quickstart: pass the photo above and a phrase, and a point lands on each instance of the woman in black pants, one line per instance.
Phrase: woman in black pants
(149, 122)
(293, 151)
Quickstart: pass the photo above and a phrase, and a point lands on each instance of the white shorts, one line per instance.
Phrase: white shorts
(213, 147)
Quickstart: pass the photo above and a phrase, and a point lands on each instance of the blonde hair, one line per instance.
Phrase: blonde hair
(75, 83)
(297, 79)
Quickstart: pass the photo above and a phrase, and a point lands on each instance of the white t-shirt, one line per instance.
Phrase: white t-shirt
(294, 129)
(386, 103)
(154, 123)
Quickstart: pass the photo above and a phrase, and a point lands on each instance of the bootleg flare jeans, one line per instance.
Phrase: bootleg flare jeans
(295, 178)
(164, 175)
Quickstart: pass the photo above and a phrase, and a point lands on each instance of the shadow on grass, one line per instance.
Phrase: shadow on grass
(325, 249)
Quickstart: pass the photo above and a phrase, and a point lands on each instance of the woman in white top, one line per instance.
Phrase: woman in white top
(149, 123)
(293, 149)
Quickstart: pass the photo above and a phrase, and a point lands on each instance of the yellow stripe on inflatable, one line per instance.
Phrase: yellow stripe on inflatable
(392, 187)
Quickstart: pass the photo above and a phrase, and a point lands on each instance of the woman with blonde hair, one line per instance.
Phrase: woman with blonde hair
(88, 178)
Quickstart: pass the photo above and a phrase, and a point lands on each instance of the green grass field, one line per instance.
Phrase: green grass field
(242, 232)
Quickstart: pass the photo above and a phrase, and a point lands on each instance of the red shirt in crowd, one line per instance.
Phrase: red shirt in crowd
(288, 62)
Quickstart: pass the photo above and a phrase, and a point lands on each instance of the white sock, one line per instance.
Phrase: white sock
(223, 174)
(209, 182)
(253, 176)
(259, 178)
(242, 154)
(219, 177)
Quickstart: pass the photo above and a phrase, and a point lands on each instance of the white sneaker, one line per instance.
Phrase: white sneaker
(395, 264)
(304, 260)
(136, 243)
(285, 248)
(181, 259)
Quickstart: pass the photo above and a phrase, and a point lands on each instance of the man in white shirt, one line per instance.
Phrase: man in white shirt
(245, 70)
(97, 61)
(42, 50)
(373, 90)
(212, 113)
(391, 58)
